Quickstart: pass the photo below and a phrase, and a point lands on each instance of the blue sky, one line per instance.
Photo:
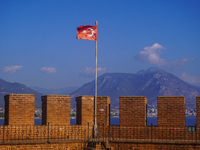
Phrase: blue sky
(38, 45)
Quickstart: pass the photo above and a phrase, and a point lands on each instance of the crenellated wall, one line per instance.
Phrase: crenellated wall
(19, 109)
(171, 111)
(103, 110)
(56, 109)
(198, 110)
(132, 132)
(132, 110)
(85, 110)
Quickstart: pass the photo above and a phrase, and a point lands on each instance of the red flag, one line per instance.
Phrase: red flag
(87, 32)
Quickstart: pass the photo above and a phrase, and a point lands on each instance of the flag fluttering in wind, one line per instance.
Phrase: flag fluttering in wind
(87, 32)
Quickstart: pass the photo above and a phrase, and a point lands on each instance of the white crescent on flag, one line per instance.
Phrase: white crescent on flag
(92, 32)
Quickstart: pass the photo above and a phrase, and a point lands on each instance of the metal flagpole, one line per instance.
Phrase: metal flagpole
(95, 99)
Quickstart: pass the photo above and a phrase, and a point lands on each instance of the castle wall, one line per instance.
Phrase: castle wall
(132, 110)
(103, 110)
(132, 132)
(171, 111)
(198, 110)
(19, 109)
(47, 146)
(56, 109)
(153, 146)
(114, 145)
(85, 110)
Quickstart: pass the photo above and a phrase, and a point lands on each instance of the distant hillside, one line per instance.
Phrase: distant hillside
(61, 91)
(150, 83)
(17, 88)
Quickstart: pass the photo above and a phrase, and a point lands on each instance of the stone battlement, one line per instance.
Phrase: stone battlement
(19, 110)
(55, 132)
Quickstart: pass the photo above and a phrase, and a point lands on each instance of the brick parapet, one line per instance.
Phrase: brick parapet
(45, 146)
(198, 111)
(132, 110)
(56, 109)
(120, 134)
(85, 110)
(113, 145)
(19, 109)
(103, 110)
(171, 111)
(171, 122)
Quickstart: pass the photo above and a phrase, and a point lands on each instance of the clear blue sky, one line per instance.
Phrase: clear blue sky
(38, 45)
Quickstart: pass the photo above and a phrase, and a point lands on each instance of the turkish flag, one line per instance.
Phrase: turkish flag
(87, 32)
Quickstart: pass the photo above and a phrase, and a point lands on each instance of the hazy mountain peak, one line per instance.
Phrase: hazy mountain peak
(150, 70)
(17, 88)
(151, 83)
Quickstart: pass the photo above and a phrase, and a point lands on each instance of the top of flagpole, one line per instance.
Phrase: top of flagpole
(96, 23)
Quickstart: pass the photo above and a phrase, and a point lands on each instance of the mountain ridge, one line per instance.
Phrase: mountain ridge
(60, 91)
(17, 88)
(151, 83)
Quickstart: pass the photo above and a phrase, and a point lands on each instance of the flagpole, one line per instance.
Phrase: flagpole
(95, 100)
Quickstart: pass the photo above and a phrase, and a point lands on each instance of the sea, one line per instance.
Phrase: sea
(189, 121)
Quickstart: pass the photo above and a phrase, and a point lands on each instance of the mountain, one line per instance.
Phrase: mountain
(150, 83)
(61, 91)
(17, 88)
